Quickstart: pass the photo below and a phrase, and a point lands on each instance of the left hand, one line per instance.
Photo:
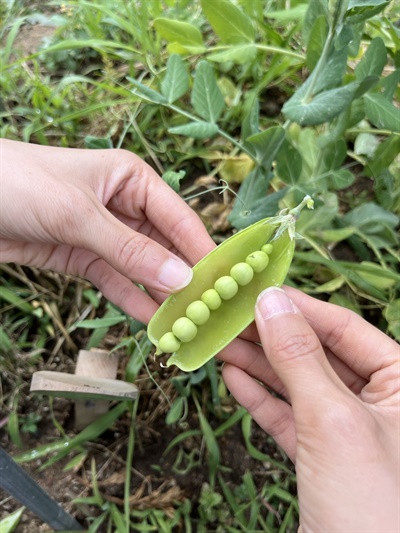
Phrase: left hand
(104, 215)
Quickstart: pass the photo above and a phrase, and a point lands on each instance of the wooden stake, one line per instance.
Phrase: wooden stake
(92, 386)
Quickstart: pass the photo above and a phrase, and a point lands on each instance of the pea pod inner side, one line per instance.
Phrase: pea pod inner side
(235, 314)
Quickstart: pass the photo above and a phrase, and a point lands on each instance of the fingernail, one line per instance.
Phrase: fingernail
(274, 301)
(174, 274)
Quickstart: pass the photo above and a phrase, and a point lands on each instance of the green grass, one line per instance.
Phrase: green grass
(133, 76)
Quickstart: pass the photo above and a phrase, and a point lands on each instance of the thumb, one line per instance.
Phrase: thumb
(294, 351)
(133, 254)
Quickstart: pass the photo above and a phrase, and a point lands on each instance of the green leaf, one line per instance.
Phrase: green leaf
(207, 98)
(13, 299)
(100, 322)
(253, 202)
(366, 144)
(365, 85)
(175, 412)
(11, 521)
(370, 215)
(321, 108)
(316, 41)
(334, 235)
(340, 178)
(239, 54)
(265, 145)
(289, 163)
(289, 15)
(197, 130)
(230, 23)
(390, 84)
(359, 10)
(381, 112)
(141, 90)
(332, 74)
(184, 49)
(184, 33)
(392, 315)
(13, 429)
(251, 119)
(315, 9)
(321, 216)
(384, 155)
(98, 143)
(176, 81)
(5, 341)
(373, 61)
(173, 179)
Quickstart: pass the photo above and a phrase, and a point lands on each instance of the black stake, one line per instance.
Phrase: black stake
(20, 485)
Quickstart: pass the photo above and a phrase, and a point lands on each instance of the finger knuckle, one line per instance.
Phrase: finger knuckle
(295, 345)
(131, 252)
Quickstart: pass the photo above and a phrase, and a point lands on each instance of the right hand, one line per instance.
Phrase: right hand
(338, 417)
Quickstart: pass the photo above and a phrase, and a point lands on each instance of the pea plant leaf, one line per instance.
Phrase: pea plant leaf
(141, 90)
(182, 33)
(173, 178)
(230, 23)
(331, 74)
(254, 203)
(360, 10)
(374, 224)
(384, 155)
(316, 41)
(381, 112)
(373, 61)
(389, 84)
(323, 107)
(340, 178)
(251, 119)
(265, 145)
(240, 54)
(176, 81)
(207, 98)
(196, 130)
(316, 9)
(289, 163)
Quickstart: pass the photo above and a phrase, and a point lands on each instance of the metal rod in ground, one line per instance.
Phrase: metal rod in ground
(20, 485)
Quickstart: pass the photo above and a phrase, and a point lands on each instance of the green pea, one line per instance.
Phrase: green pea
(226, 287)
(184, 329)
(198, 312)
(242, 273)
(226, 321)
(212, 299)
(258, 261)
(267, 248)
(169, 343)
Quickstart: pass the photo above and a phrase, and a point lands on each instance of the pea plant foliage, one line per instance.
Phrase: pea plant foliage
(337, 132)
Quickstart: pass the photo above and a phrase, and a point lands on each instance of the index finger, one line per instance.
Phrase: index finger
(361, 346)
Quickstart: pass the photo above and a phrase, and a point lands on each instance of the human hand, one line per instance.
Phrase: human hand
(104, 215)
(338, 414)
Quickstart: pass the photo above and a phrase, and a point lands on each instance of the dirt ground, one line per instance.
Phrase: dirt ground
(155, 481)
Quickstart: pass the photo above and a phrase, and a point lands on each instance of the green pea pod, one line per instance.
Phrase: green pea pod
(235, 314)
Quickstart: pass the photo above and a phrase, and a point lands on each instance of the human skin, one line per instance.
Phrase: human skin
(104, 215)
(337, 415)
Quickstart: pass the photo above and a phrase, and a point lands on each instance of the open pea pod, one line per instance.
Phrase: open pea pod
(234, 314)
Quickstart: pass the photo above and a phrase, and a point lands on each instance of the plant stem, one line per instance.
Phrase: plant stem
(334, 23)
